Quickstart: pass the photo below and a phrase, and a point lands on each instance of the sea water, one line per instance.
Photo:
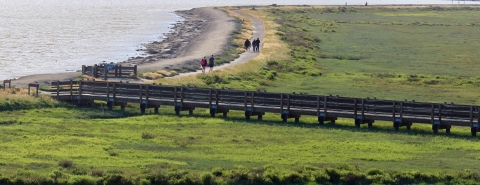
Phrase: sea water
(53, 36)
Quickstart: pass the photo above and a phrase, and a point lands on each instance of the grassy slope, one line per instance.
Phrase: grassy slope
(412, 53)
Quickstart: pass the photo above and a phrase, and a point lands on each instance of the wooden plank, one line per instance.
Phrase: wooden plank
(62, 83)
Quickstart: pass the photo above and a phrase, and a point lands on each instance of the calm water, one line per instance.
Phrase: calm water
(51, 36)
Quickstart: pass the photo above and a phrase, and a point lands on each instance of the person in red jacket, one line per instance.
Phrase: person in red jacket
(204, 64)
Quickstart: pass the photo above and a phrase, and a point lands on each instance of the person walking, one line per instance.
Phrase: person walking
(254, 44)
(204, 64)
(211, 62)
(247, 45)
(258, 44)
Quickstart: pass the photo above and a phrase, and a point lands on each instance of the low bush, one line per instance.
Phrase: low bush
(343, 174)
(65, 164)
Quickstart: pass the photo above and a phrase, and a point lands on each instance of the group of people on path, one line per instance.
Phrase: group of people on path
(210, 63)
(255, 44)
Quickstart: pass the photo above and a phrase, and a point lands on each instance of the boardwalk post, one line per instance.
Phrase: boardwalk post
(135, 70)
(281, 103)
(143, 103)
(213, 108)
(440, 116)
(120, 70)
(36, 89)
(285, 113)
(436, 123)
(358, 119)
(71, 89)
(224, 113)
(474, 128)
(79, 97)
(177, 109)
(320, 121)
(109, 100)
(58, 89)
(94, 71)
(4, 84)
(105, 72)
(248, 110)
(332, 120)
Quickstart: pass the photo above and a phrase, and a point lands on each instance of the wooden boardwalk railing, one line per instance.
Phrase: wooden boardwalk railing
(109, 71)
(255, 103)
(5, 82)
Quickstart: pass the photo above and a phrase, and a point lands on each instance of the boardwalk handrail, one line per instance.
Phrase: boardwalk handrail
(256, 103)
(9, 82)
(109, 71)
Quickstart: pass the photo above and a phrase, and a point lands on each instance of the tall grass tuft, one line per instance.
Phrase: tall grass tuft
(18, 99)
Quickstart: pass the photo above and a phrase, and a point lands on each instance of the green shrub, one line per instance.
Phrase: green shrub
(333, 174)
(147, 135)
(82, 180)
(206, 179)
(65, 164)
(374, 172)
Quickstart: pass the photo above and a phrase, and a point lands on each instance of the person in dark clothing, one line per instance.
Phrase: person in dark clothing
(254, 44)
(247, 45)
(258, 44)
(211, 61)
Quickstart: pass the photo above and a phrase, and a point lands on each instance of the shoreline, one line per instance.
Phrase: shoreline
(203, 32)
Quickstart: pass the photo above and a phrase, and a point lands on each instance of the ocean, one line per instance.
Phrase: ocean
(53, 36)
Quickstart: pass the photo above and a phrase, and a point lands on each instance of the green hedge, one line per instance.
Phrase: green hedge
(241, 175)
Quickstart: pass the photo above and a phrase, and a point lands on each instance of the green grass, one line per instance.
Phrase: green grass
(85, 143)
(40, 139)
(375, 52)
(398, 53)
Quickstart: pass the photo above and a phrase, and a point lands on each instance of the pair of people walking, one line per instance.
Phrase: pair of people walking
(210, 63)
(256, 45)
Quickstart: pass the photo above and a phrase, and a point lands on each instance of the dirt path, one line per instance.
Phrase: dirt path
(258, 32)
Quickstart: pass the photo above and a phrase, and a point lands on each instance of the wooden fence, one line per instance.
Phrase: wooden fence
(5, 82)
(255, 103)
(110, 71)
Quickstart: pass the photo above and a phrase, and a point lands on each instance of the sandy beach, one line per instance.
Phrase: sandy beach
(204, 32)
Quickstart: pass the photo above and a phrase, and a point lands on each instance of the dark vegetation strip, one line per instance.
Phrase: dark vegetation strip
(68, 174)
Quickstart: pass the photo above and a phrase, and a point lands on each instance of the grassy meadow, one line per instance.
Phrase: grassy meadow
(421, 53)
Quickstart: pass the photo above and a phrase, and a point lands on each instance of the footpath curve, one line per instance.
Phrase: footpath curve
(258, 32)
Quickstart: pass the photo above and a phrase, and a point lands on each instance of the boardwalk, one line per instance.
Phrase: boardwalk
(256, 103)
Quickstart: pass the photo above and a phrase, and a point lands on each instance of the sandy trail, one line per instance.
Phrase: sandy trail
(258, 32)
